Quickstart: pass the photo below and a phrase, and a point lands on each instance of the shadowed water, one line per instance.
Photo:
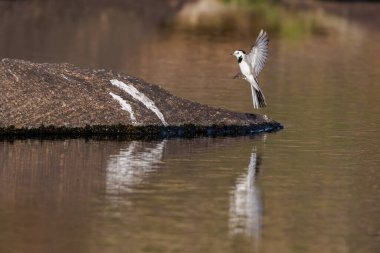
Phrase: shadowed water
(313, 187)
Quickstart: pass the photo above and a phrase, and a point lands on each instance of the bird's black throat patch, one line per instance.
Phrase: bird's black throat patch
(240, 59)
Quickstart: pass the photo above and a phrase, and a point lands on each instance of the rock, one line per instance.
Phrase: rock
(44, 98)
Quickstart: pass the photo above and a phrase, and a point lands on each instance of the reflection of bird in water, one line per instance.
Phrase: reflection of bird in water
(251, 65)
(246, 203)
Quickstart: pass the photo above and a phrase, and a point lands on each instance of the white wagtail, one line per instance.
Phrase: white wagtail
(251, 65)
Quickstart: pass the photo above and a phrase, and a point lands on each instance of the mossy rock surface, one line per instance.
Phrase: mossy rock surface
(62, 99)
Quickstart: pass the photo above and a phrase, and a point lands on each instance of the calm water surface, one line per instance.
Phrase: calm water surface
(313, 187)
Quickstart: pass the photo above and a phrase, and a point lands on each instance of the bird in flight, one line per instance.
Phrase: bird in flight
(251, 65)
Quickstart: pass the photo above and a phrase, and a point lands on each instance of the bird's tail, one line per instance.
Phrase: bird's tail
(258, 98)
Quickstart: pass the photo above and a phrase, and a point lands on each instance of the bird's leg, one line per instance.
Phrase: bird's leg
(238, 76)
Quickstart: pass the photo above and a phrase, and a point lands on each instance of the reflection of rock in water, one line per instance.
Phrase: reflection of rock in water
(246, 203)
(129, 167)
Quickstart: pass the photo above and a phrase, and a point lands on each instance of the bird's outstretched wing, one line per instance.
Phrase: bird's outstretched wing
(259, 53)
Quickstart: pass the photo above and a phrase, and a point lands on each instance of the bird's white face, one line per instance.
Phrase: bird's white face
(238, 54)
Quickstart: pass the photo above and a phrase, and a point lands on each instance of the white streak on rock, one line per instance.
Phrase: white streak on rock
(13, 74)
(65, 77)
(125, 106)
(131, 90)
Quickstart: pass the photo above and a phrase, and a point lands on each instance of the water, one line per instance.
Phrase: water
(313, 187)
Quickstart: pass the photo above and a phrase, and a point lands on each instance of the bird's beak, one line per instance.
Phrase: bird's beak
(232, 54)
